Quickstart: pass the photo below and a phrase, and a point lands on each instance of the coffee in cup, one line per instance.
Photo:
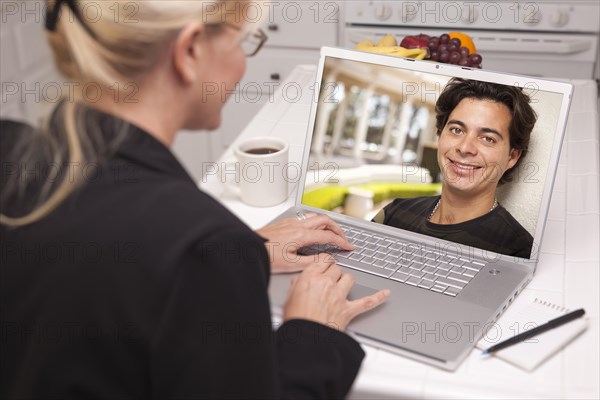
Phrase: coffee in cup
(263, 163)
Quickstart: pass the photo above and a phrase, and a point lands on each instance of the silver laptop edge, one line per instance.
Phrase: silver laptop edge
(517, 271)
(462, 72)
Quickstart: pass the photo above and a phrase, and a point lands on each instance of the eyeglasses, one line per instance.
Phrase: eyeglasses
(251, 42)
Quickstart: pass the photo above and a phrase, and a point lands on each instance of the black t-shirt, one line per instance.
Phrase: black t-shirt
(140, 285)
(495, 231)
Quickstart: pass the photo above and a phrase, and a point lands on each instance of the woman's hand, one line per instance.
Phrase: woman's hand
(320, 294)
(285, 237)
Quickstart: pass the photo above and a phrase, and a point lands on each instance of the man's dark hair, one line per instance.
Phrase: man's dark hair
(523, 116)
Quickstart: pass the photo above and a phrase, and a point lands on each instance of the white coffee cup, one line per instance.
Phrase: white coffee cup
(359, 202)
(262, 170)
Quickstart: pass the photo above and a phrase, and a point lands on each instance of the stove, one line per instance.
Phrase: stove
(546, 38)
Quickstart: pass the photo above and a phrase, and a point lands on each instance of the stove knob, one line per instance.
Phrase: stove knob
(532, 15)
(409, 10)
(383, 12)
(469, 14)
(559, 18)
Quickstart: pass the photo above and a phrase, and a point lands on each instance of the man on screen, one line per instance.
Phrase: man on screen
(484, 131)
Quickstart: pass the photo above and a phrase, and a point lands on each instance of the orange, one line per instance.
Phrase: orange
(465, 40)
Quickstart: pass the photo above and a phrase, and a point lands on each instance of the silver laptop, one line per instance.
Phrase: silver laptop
(370, 140)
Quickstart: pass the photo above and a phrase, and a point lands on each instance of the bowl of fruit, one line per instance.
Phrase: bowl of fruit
(450, 48)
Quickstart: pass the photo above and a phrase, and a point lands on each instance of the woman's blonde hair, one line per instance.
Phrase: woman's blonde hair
(119, 44)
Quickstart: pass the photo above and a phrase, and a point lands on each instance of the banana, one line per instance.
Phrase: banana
(417, 54)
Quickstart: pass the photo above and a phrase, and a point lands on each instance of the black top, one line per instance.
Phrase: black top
(141, 286)
(496, 231)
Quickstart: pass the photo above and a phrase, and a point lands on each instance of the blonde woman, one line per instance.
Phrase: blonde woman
(121, 279)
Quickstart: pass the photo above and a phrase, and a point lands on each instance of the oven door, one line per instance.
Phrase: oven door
(559, 55)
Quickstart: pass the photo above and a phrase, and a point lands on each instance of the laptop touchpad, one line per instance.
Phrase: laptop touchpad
(359, 291)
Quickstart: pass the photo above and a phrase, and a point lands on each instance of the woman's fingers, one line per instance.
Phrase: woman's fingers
(312, 237)
(314, 221)
(367, 303)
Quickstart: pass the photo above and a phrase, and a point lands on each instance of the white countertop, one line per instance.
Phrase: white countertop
(567, 273)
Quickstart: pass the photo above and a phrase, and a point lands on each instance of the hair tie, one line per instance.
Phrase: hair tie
(52, 16)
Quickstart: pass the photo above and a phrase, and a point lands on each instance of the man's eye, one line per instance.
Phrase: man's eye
(455, 130)
(489, 139)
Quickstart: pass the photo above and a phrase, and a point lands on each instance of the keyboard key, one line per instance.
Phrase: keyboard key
(452, 291)
(379, 256)
(391, 266)
(441, 272)
(449, 282)
(439, 288)
(356, 256)
(388, 243)
(416, 273)
(458, 270)
(469, 274)
(392, 259)
(368, 260)
(371, 246)
(396, 246)
(419, 260)
(416, 266)
(396, 253)
(342, 254)
(429, 269)
(383, 250)
(413, 280)
(380, 263)
(371, 240)
(426, 284)
(399, 276)
(368, 253)
(429, 277)
(456, 263)
(478, 263)
(471, 267)
(405, 270)
(444, 267)
(457, 279)
(370, 269)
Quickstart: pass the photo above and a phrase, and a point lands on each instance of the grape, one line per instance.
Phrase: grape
(475, 59)
(435, 56)
(444, 38)
(452, 47)
(442, 48)
(456, 42)
(432, 45)
(454, 57)
(444, 56)
(464, 52)
(463, 62)
(435, 40)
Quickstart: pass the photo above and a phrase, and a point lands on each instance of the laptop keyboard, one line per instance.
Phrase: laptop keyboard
(408, 263)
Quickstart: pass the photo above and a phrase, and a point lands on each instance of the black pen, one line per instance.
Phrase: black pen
(536, 331)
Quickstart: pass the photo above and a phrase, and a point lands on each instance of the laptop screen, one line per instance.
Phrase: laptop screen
(460, 159)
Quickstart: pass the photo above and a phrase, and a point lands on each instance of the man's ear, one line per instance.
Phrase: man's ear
(188, 51)
(514, 156)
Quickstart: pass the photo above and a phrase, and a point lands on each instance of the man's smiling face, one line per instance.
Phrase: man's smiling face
(474, 147)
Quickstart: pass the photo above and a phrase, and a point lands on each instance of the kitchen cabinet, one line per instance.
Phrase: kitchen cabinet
(296, 31)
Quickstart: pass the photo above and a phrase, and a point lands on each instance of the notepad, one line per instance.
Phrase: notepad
(523, 316)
